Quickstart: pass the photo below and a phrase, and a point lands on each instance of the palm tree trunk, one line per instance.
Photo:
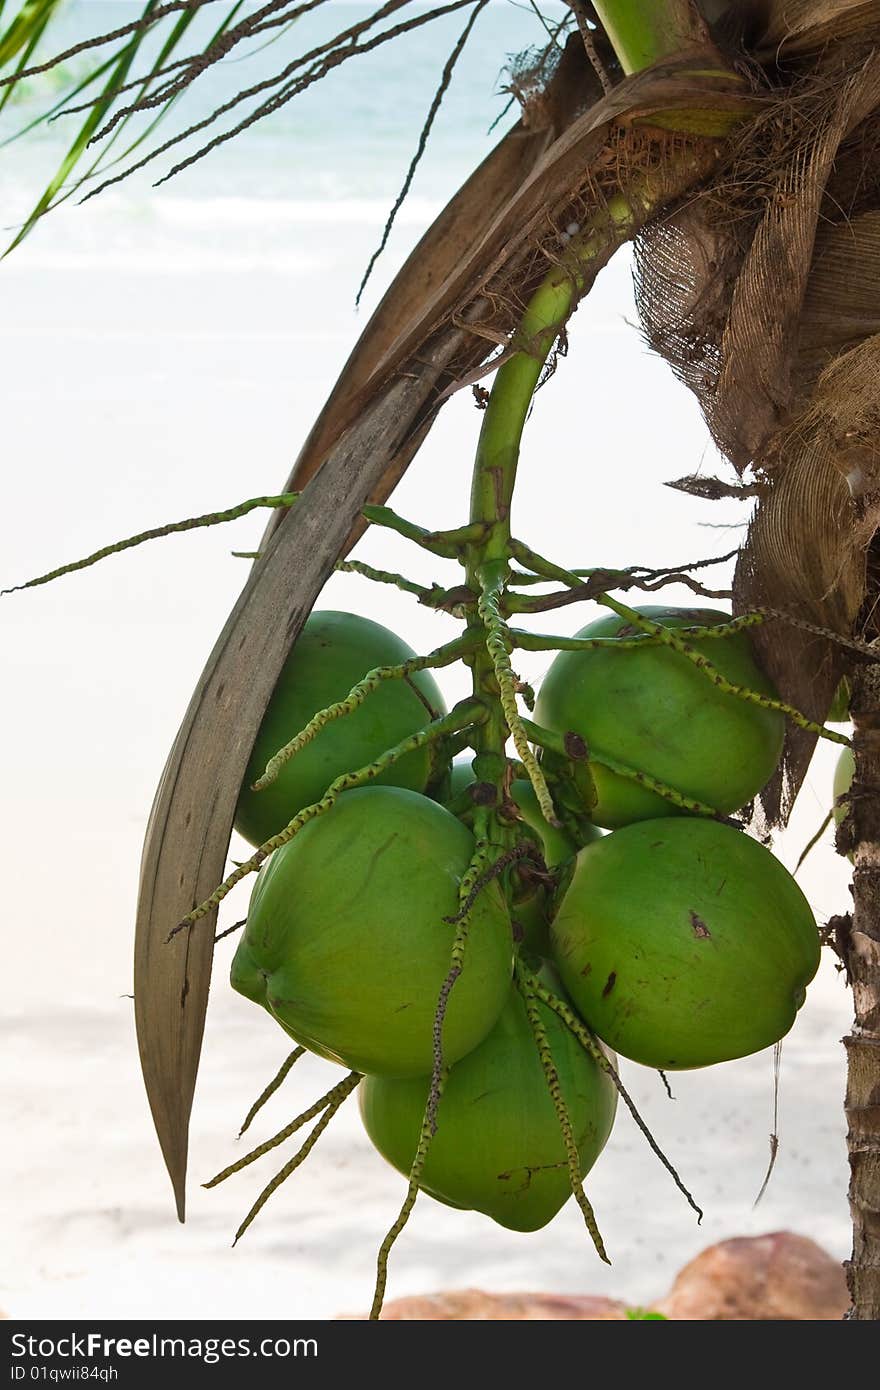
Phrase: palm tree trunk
(861, 950)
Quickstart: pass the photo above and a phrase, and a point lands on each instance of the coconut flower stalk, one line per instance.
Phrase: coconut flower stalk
(410, 355)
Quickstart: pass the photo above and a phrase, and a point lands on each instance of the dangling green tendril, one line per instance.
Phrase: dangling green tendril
(555, 743)
(277, 1080)
(590, 1044)
(474, 877)
(426, 1134)
(284, 499)
(467, 714)
(550, 642)
(652, 784)
(343, 1091)
(399, 581)
(670, 638)
(303, 1119)
(441, 656)
(551, 1075)
(523, 579)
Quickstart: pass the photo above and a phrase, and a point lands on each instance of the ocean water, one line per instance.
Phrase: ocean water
(345, 143)
(163, 353)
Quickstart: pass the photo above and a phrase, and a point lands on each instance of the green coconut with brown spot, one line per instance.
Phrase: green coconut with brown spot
(332, 654)
(683, 942)
(651, 709)
(498, 1148)
(348, 942)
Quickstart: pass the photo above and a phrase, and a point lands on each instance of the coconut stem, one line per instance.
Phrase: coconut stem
(543, 642)
(399, 581)
(672, 639)
(467, 892)
(498, 646)
(445, 544)
(192, 523)
(487, 559)
(556, 743)
(340, 1095)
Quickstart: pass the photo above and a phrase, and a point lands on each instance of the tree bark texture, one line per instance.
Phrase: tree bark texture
(862, 959)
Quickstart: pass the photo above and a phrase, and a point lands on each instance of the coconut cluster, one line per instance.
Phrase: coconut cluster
(677, 940)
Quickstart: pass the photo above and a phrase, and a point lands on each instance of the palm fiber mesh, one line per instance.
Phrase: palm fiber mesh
(763, 294)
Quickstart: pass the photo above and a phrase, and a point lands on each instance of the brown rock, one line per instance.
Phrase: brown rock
(472, 1305)
(759, 1279)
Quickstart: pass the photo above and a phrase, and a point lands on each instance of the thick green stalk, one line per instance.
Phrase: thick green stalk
(487, 559)
(643, 32)
(516, 381)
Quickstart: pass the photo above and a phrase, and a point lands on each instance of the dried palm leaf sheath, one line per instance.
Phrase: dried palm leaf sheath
(764, 296)
(384, 405)
(191, 821)
(796, 27)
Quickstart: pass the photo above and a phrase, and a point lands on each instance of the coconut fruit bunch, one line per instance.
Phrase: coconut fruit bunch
(675, 939)
(349, 939)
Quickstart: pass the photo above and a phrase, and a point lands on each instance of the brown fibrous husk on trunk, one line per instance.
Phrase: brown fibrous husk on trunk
(763, 294)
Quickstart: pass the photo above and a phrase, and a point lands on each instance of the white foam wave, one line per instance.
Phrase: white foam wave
(192, 236)
(274, 212)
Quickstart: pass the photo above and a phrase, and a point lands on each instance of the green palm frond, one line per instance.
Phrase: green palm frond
(23, 35)
(114, 71)
(24, 31)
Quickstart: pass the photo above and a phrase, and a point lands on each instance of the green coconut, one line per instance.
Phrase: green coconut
(498, 1147)
(346, 942)
(332, 653)
(653, 710)
(683, 942)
